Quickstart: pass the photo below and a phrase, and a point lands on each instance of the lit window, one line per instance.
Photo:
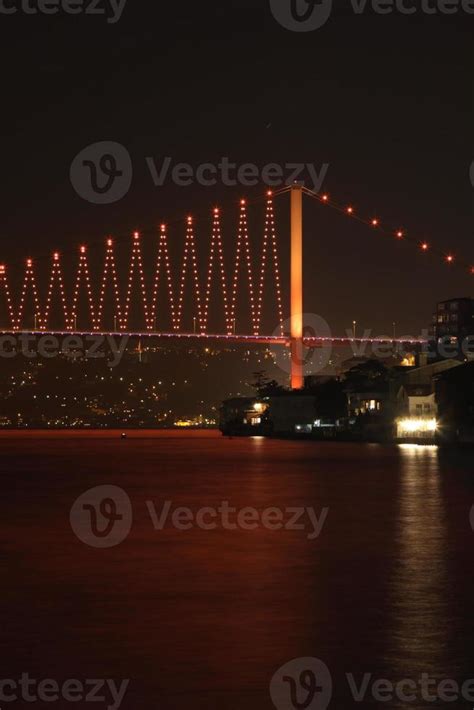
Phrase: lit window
(416, 426)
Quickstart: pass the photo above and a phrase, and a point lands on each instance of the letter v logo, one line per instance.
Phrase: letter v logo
(301, 15)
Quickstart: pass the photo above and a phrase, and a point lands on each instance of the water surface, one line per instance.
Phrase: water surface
(204, 618)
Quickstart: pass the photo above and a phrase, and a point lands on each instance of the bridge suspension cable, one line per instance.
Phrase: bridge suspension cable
(190, 281)
(398, 233)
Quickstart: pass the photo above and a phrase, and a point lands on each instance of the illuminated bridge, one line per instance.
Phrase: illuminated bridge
(154, 307)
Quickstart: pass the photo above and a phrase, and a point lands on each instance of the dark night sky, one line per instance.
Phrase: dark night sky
(385, 100)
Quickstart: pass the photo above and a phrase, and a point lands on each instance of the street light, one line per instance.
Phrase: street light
(354, 326)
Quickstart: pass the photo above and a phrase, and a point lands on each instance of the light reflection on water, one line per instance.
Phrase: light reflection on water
(420, 577)
(203, 619)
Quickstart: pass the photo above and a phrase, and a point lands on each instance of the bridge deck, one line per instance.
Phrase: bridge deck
(237, 338)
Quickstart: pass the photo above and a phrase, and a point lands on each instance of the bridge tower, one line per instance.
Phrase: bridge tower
(296, 306)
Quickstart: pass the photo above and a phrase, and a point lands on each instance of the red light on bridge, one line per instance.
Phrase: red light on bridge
(109, 288)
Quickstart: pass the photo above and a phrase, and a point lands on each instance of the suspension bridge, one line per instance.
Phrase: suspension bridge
(163, 298)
